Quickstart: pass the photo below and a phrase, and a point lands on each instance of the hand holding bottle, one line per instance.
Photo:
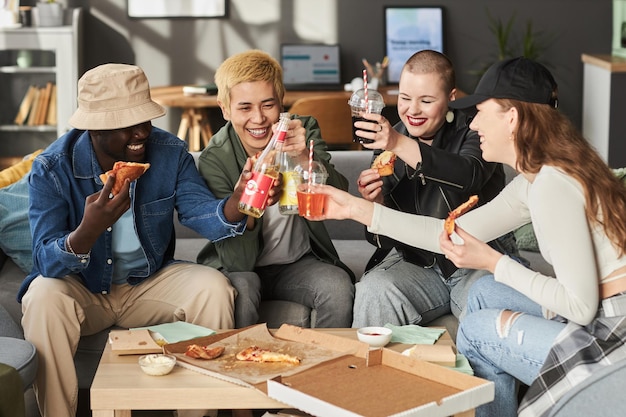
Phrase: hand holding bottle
(295, 140)
(265, 173)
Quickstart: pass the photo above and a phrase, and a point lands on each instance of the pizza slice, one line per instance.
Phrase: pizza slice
(204, 352)
(257, 354)
(458, 212)
(123, 170)
(384, 163)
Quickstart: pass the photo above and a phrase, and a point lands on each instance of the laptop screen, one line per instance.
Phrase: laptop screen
(310, 64)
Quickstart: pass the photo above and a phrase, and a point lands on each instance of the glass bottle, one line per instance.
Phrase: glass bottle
(288, 203)
(266, 169)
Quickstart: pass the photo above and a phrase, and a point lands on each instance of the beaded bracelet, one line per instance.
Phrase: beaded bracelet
(69, 247)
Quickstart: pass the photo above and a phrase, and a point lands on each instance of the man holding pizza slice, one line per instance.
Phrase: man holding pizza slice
(103, 256)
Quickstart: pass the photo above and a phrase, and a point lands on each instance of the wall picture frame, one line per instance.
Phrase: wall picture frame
(168, 9)
(409, 29)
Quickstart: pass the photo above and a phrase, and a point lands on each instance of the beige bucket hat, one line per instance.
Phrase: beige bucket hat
(114, 96)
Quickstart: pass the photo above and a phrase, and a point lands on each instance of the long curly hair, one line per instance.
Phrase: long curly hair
(547, 137)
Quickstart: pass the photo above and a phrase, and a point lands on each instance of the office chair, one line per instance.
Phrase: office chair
(334, 117)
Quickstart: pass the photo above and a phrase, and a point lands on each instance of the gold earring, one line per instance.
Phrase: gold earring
(450, 116)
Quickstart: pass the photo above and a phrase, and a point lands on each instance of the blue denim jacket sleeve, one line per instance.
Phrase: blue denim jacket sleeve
(199, 209)
(67, 172)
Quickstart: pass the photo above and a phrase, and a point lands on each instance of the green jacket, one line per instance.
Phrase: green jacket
(221, 163)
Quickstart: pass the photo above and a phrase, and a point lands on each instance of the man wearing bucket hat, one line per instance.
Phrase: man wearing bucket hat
(548, 332)
(102, 259)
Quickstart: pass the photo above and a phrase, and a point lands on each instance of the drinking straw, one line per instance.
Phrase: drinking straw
(367, 108)
(310, 165)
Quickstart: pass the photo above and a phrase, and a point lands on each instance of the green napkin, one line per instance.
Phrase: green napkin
(463, 365)
(414, 334)
(179, 331)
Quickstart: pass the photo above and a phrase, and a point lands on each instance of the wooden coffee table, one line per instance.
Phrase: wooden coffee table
(120, 386)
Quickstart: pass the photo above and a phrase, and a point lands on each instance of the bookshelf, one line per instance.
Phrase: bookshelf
(55, 55)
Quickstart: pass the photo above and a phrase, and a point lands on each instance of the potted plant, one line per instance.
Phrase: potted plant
(50, 13)
(532, 44)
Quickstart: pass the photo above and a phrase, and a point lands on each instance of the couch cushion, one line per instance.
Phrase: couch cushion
(21, 355)
(14, 173)
(15, 238)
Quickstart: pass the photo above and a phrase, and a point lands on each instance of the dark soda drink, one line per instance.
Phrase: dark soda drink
(358, 139)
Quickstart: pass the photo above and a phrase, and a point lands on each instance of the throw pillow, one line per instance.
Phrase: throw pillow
(15, 237)
(13, 173)
(525, 237)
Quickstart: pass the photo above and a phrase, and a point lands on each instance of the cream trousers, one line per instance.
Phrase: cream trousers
(57, 312)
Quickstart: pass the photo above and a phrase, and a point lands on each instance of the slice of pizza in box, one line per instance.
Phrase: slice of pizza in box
(378, 382)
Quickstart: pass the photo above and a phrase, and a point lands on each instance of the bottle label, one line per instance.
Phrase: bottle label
(289, 197)
(257, 190)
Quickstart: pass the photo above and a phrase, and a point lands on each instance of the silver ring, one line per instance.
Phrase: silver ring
(381, 128)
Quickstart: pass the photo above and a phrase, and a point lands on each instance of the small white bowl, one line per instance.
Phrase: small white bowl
(374, 336)
(157, 364)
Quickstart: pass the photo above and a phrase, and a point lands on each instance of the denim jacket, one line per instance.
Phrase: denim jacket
(67, 172)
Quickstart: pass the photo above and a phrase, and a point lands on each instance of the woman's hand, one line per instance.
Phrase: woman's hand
(339, 205)
(387, 138)
(472, 253)
(370, 185)
(378, 129)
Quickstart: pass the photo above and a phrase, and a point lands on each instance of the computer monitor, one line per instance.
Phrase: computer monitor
(310, 66)
(408, 30)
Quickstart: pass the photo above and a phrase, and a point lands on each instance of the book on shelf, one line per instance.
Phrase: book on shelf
(44, 103)
(38, 107)
(209, 88)
(51, 118)
(25, 105)
(34, 108)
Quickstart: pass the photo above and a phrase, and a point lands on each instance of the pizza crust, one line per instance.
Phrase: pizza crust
(123, 170)
(384, 163)
(458, 212)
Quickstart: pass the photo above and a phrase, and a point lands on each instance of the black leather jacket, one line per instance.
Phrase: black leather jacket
(452, 170)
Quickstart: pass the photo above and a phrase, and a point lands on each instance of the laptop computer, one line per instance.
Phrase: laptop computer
(311, 67)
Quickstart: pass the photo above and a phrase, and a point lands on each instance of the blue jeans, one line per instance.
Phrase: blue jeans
(500, 353)
(398, 292)
(318, 285)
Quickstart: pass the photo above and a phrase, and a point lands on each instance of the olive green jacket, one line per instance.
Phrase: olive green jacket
(221, 163)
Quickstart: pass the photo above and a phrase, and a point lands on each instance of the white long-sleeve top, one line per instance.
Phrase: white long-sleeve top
(580, 253)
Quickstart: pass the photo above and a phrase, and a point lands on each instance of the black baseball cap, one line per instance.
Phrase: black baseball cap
(516, 78)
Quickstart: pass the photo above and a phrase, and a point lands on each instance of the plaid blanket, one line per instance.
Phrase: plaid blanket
(576, 353)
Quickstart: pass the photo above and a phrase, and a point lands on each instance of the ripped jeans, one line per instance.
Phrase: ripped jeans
(502, 347)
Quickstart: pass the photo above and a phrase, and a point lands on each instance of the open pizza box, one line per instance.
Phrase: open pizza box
(376, 382)
(339, 376)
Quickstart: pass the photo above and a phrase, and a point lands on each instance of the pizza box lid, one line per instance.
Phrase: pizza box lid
(133, 342)
(378, 382)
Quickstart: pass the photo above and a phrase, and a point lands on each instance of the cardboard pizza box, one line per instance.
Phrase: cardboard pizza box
(378, 382)
(133, 342)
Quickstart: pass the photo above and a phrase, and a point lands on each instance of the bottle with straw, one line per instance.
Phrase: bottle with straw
(266, 169)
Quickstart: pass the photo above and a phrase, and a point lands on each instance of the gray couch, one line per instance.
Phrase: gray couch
(347, 235)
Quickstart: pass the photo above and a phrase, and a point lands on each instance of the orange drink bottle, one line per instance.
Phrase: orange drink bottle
(266, 169)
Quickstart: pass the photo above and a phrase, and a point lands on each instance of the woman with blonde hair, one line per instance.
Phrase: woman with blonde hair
(549, 332)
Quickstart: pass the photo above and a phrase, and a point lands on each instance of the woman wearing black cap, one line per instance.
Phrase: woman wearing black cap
(522, 325)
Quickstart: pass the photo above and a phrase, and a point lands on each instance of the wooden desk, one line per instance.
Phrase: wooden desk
(195, 119)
